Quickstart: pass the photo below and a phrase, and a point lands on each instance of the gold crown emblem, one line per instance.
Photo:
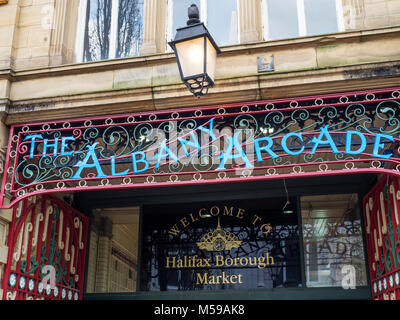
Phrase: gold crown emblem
(219, 240)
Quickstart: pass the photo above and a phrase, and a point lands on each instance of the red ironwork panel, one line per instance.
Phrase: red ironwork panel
(47, 250)
(382, 220)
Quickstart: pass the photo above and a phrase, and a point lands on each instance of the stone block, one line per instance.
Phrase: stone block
(340, 54)
(64, 85)
(8, 15)
(393, 7)
(394, 20)
(377, 9)
(376, 22)
(6, 36)
(22, 37)
(6, 214)
(4, 93)
(39, 37)
(165, 74)
(3, 254)
(132, 78)
(31, 16)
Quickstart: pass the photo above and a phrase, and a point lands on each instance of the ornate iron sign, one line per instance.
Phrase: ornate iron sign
(347, 133)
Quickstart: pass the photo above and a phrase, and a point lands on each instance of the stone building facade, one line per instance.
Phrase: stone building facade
(44, 75)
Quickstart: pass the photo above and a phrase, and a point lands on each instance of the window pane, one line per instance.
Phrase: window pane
(332, 239)
(112, 264)
(320, 16)
(180, 13)
(130, 28)
(222, 21)
(220, 245)
(282, 19)
(97, 33)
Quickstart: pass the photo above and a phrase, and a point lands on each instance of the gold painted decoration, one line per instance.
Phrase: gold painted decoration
(219, 240)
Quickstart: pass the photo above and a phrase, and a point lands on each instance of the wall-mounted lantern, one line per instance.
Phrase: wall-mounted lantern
(196, 54)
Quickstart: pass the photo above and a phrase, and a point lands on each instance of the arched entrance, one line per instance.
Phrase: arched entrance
(337, 134)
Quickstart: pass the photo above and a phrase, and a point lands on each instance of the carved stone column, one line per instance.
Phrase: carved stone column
(250, 20)
(154, 27)
(353, 14)
(63, 31)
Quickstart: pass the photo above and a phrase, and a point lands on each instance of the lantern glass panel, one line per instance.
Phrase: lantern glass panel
(191, 57)
(211, 60)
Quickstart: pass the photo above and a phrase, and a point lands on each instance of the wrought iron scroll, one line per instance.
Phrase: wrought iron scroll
(382, 225)
(47, 250)
(114, 139)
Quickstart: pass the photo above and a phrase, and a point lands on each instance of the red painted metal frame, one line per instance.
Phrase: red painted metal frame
(272, 172)
(45, 223)
(382, 224)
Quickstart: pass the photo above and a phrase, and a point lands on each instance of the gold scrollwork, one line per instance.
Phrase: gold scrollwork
(219, 240)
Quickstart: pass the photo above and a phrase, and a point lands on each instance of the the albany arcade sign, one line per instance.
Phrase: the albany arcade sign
(333, 134)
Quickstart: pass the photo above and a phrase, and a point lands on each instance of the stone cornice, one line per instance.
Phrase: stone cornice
(250, 88)
(304, 68)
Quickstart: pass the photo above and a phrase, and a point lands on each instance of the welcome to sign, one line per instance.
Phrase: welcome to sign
(335, 134)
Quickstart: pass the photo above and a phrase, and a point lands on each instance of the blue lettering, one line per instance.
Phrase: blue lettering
(116, 174)
(164, 153)
(194, 144)
(64, 145)
(328, 141)
(53, 145)
(229, 155)
(142, 159)
(33, 137)
(84, 163)
(266, 148)
(378, 145)
(284, 143)
(210, 130)
(349, 137)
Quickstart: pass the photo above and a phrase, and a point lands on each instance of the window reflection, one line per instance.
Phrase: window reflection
(282, 19)
(320, 16)
(180, 13)
(97, 33)
(130, 28)
(332, 239)
(220, 17)
(222, 21)
(294, 18)
(114, 29)
(220, 245)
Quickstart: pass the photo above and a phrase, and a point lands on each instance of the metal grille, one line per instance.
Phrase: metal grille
(47, 250)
